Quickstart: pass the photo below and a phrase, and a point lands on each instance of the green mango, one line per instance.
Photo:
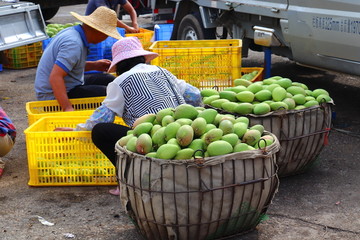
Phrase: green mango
(144, 127)
(251, 137)
(229, 95)
(185, 135)
(208, 114)
(278, 94)
(131, 144)
(213, 135)
(261, 108)
(229, 106)
(254, 88)
(185, 111)
(167, 151)
(242, 82)
(226, 126)
(240, 147)
(143, 144)
(219, 147)
(208, 100)
(284, 82)
(231, 138)
(208, 92)
(263, 95)
(197, 144)
(163, 112)
(240, 128)
(245, 96)
(199, 126)
(171, 130)
(186, 153)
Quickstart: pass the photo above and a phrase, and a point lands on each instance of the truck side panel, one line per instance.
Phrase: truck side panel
(21, 24)
(321, 33)
(325, 34)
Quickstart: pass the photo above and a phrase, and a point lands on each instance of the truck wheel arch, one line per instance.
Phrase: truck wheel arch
(191, 28)
(190, 11)
(49, 13)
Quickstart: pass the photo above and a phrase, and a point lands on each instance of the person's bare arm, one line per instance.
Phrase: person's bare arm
(127, 28)
(57, 83)
(133, 16)
(101, 65)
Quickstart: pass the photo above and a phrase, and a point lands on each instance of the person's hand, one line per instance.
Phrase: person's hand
(63, 129)
(132, 30)
(136, 27)
(69, 109)
(102, 65)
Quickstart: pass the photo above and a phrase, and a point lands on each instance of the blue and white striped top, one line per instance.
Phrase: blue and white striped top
(143, 89)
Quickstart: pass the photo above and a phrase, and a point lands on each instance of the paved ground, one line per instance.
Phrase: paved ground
(322, 203)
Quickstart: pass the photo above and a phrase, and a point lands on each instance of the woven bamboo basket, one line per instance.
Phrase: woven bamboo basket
(198, 199)
(302, 135)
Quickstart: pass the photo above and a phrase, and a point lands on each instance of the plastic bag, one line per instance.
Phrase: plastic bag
(192, 95)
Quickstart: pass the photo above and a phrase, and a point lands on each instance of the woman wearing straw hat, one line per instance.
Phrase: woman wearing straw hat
(139, 89)
(112, 4)
(60, 72)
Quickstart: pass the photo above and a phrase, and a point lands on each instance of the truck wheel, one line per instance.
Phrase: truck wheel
(191, 28)
(49, 13)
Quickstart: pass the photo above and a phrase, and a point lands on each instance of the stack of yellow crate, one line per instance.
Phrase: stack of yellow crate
(24, 57)
(65, 158)
(202, 63)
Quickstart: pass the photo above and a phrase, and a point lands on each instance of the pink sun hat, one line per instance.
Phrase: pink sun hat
(129, 47)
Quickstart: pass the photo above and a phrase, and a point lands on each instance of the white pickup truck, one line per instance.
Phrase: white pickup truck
(317, 33)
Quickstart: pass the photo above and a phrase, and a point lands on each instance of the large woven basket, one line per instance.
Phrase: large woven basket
(197, 199)
(302, 135)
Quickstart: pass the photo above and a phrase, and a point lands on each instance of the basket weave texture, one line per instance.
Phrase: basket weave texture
(197, 199)
(302, 135)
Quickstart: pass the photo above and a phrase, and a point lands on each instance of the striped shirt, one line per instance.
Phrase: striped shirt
(6, 126)
(142, 90)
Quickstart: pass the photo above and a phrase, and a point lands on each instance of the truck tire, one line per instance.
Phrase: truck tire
(191, 28)
(49, 13)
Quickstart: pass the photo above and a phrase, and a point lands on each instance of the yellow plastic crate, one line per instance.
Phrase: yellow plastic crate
(65, 158)
(24, 57)
(39, 109)
(258, 77)
(202, 63)
(145, 36)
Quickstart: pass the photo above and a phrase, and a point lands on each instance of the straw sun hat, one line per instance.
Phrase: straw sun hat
(103, 19)
(129, 47)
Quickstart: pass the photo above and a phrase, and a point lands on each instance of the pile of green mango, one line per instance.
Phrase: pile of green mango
(262, 97)
(177, 133)
(53, 28)
(249, 76)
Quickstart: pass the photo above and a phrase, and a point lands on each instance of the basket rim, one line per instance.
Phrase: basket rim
(275, 113)
(208, 161)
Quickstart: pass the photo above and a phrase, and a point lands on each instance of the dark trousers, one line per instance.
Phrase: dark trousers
(94, 86)
(105, 136)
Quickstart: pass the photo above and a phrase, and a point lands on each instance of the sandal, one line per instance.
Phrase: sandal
(115, 192)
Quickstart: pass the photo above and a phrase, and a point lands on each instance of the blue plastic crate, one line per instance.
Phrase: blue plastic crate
(95, 52)
(1, 68)
(163, 32)
(109, 42)
(45, 43)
